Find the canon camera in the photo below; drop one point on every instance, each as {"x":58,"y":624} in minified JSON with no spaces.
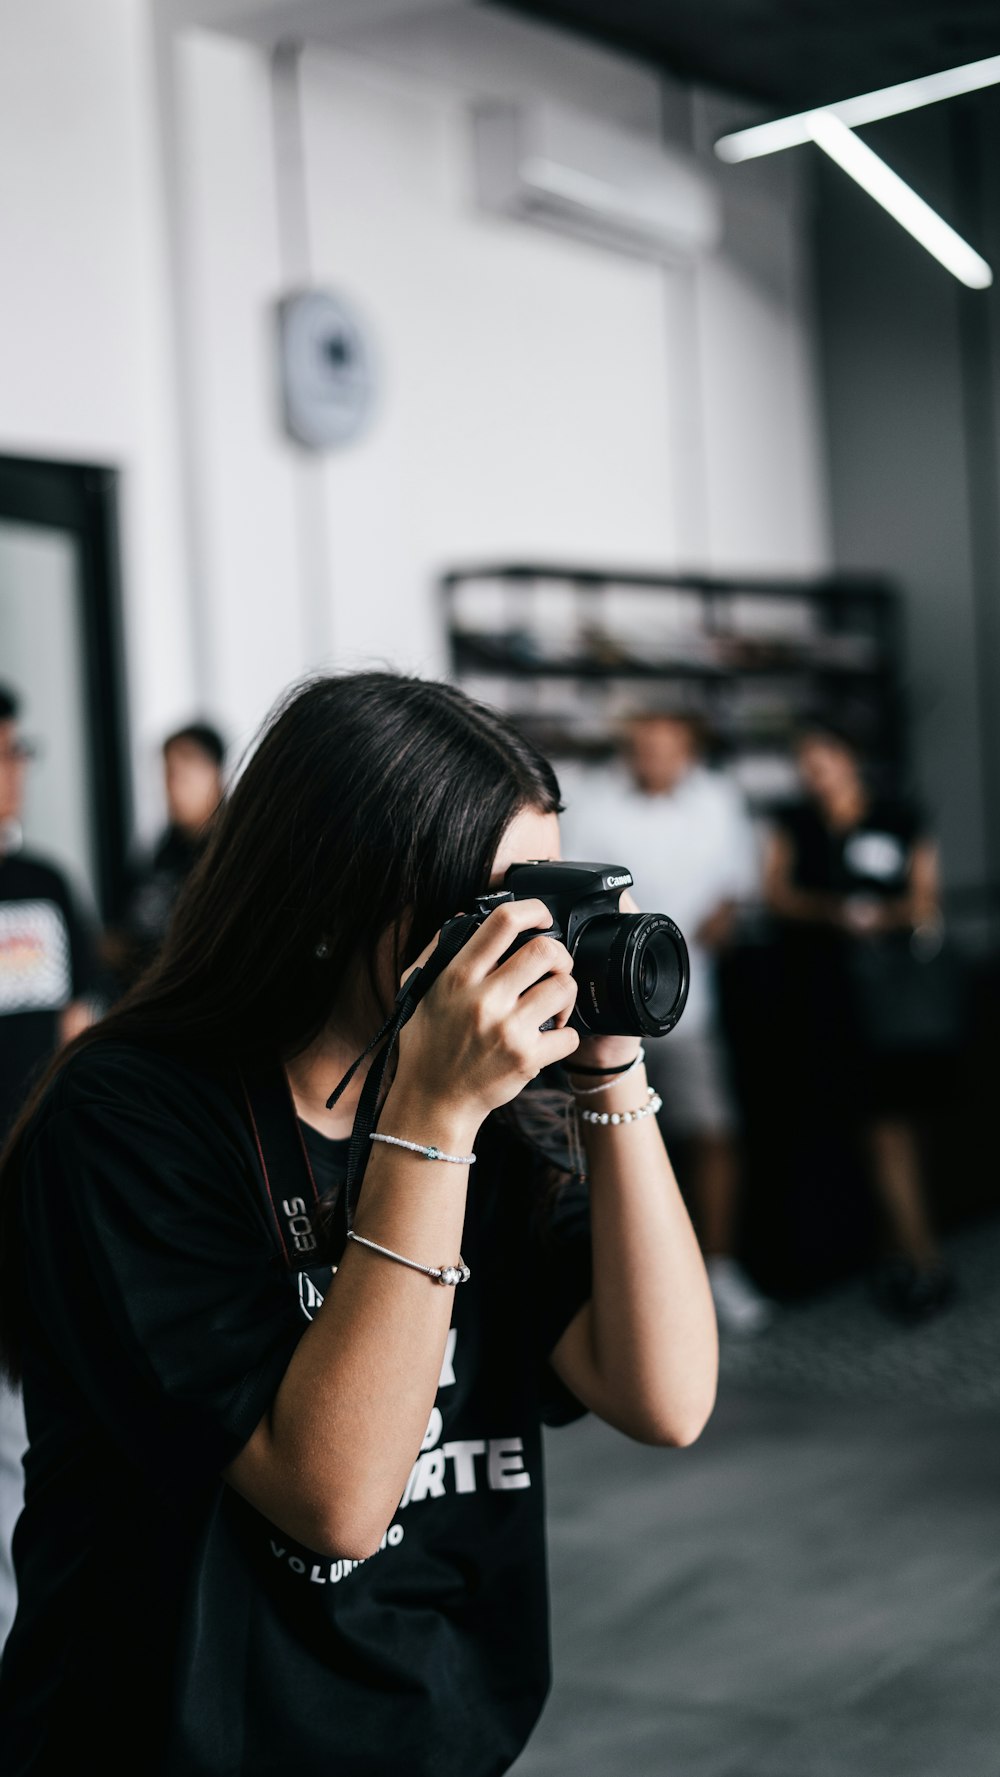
{"x":630,"y":969}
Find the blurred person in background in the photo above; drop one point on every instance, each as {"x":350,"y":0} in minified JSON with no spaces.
{"x":46,"y":974}
{"x":684,"y":832}
{"x":853,"y":876}
{"x":47,"y":965}
{"x":194,"y":781}
{"x":285,"y":1505}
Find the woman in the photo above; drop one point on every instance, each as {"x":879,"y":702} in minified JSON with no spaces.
{"x":847,"y":869}
{"x":218,"y":1440}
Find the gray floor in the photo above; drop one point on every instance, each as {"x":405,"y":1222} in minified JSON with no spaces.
{"x":813,"y":1590}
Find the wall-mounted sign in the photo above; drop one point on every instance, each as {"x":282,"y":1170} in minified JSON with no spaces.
{"x":327,"y":376}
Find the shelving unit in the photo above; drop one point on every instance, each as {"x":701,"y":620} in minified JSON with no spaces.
{"x":568,"y":652}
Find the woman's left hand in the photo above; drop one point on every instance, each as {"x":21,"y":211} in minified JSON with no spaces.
{"x":610,"y":1051}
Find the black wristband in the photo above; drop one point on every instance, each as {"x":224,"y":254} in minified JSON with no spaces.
{"x":603,"y":1070}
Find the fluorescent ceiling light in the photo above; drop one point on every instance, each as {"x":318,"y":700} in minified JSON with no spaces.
{"x":831,"y":134}
{"x":889,"y":101}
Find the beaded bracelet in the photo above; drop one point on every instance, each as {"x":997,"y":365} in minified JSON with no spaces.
{"x":653,"y":1104}
{"x":605,"y":1086}
{"x":418,"y":1147}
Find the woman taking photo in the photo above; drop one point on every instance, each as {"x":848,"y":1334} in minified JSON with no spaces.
{"x":288,"y":1516}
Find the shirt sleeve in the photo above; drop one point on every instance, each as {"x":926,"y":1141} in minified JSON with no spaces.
{"x":154,"y":1285}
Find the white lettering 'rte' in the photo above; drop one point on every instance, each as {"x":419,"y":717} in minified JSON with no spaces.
{"x":429,"y":1476}
{"x":505,"y":1467}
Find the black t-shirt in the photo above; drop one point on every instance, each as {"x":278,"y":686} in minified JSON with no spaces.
{"x":155,"y":882}
{"x":166,"y":1626}
{"x":871,"y":858}
{"x":46,"y":961}
{"x":155,"y":886}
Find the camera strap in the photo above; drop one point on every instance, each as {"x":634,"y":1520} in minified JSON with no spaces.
{"x":291,"y":1198}
{"x":454,"y":933}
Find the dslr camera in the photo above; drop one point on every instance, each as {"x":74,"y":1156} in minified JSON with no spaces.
{"x":630,"y":969}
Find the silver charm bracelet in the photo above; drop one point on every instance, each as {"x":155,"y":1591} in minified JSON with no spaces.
{"x":443,"y":1274}
{"x":653,"y":1103}
{"x":428,"y":1152}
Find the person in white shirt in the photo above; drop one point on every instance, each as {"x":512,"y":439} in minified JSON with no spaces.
{"x":683,"y":831}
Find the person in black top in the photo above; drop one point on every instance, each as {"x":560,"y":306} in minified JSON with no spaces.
{"x":193,"y":778}
{"x":46,"y":975}
{"x":47,"y":965}
{"x":284,"y":1506}
{"x":848,"y":869}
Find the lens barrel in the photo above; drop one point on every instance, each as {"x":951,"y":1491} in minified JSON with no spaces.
{"x":632,"y":973}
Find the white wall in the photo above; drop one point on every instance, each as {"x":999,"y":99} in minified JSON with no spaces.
{"x":539,"y":396}
{"x":525,"y":376}
{"x":759,"y":401}
{"x":85,"y":360}
{"x":523,"y":401}
{"x":243,"y":474}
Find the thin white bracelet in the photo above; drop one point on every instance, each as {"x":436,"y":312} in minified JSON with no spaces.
{"x":444,"y":1274}
{"x":606,"y":1085}
{"x":653,"y":1103}
{"x":429,"y":1153}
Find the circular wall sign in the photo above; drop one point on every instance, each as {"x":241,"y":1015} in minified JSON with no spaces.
{"x":327,"y":377}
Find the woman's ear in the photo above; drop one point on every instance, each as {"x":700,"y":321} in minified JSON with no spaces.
{"x":390,"y":958}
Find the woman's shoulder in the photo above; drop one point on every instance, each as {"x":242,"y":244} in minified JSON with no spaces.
{"x":123,"y":1078}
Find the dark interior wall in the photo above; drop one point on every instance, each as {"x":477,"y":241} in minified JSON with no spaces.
{"x":911,"y":399}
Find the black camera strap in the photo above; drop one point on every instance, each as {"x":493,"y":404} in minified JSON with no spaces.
{"x":291,"y":1198}
{"x":289,"y":1191}
{"x":454,"y":933}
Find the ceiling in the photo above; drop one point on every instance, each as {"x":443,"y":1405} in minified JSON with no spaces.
{"x":790,"y":54}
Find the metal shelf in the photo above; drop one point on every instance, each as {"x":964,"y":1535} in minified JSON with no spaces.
{"x":506,"y":623}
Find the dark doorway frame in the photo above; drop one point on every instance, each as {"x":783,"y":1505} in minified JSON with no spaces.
{"x":82,"y":499}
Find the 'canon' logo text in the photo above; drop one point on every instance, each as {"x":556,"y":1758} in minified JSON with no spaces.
{"x":299,"y":1225}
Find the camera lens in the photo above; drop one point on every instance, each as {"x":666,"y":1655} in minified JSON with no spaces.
{"x":631,"y":971}
{"x":661,"y":975}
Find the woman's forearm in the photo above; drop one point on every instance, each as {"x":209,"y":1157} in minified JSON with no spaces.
{"x":330,"y":1461}
{"x":644,"y":1353}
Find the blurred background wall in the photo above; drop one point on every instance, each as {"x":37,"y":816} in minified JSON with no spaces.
{"x":911,"y":399}
{"x":538,"y":395}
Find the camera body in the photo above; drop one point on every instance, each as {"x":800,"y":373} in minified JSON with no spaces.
{"x":631,"y":969}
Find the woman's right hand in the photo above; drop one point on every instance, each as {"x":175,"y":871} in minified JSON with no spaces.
{"x":476,"y":1040}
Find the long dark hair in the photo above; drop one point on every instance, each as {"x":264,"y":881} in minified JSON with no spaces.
{"x":373,"y":803}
